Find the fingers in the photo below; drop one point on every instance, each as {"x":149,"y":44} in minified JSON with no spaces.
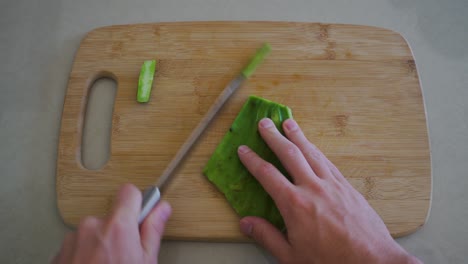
{"x":288,"y":153}
{"x":66,"y":252}
{"x":337,"y":173}
{"x":313,"y":155}
{"x":267,"y":235}
{"x":127,"y":205}
{"x":275,"y":183}
{"x":152,"y":229}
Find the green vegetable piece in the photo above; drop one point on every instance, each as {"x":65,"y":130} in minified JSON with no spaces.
{"x":256,"y":60}
{"x":145,"y":82}
{"x":226,"y":172}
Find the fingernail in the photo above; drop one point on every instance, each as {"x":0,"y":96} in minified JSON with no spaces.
{"x":246,"y":227}
{"x":243,"y":149}
{"x":290,"y":125}
{"x":165,"y":211}
{"x":266,"y":123}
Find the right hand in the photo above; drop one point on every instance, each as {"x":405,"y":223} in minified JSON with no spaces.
{"x":327,"y":220}
{"x":117,"y":238}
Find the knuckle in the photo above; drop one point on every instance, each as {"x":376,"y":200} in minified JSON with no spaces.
{"x":340,"y":187}
{"x":285,"y":190}
{"x":314,"y":185}
{"x":292,"y":151}
{"x":313,"y":152}
{"x":157,"y":225}
{"x":319,"y":190}
{"x":260,"y":235}
{"x":117,"y":226}
{"x":266,"y":168}
{"x":126,"y":187}
{"x":88,"y":223}
{"x":158,"y":229}
{"x":300,"y":202}
{"x":87,"y":228}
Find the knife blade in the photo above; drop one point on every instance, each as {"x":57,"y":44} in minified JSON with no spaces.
{"x":152,"y":194}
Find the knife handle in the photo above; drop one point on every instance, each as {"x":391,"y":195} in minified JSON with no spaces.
{"x":151,"y":197}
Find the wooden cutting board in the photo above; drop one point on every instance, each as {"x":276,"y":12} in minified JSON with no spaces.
{"x":353,"y":89}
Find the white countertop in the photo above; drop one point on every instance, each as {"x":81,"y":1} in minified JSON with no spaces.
{"x":39,"y":39}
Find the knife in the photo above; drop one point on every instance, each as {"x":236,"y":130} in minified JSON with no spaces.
{"x":152,"y":194}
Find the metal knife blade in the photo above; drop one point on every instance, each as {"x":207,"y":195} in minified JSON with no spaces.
{"x":151,"y":195}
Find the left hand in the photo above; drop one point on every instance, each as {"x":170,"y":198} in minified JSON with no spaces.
{"x":117,"y":238}
{"x":327,"y":220}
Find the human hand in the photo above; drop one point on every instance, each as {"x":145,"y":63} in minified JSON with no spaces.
{"x":327,"y":220}
{"x":117,"y":238}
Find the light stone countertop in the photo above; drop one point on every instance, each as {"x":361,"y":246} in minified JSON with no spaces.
{"x":38,"y":41}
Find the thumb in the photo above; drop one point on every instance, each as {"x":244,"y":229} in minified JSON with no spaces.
{"x":267,"y":235}
{"x":152,"y":229}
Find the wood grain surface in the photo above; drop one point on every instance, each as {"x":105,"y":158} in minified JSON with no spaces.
{"x":353,"y":89}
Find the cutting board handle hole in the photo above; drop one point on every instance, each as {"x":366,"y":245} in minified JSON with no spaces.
{"x":97,"y":123}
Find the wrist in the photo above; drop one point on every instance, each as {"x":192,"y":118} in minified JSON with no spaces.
{"x":391,"y":253}
{"x":399,"y":255}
